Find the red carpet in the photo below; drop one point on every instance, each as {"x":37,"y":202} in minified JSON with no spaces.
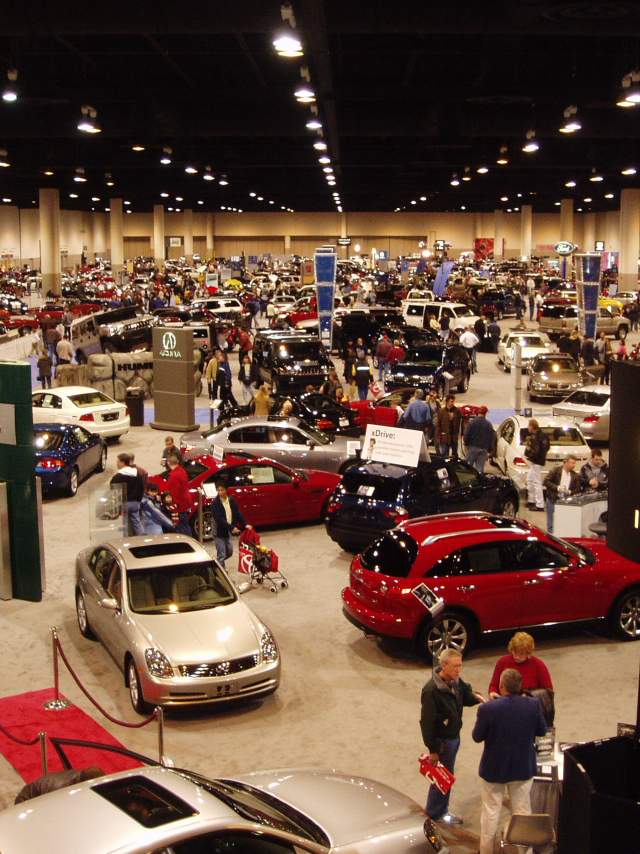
{"x":24,"y":716}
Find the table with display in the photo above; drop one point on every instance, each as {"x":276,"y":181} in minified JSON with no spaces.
{"x":573,"y":515}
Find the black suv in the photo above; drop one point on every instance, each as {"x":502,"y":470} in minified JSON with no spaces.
{"x":374,"y":497}
{"x":290,"y":360}
{"x":322,"y":412}
{"x":367,"y":324}
{"x":431,"y":366}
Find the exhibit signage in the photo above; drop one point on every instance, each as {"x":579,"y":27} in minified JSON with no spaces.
{"x":344,"y":241}
{"x":599,"y":247}
{"x":325,"y":270}
{"x":173,"y":379}
{"x":565,"y":247}
{"x":440,"y":245}
{"x":175,"y":241}
{"x":395,"y":445}
{"x":169,"y":346}
{"x":433,"y":603}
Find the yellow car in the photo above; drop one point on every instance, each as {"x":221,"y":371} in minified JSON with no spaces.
{"x":611,"y":302}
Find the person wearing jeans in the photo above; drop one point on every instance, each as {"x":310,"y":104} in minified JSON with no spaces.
{"x":536,"y":450}
{"x":442,"y":701}
{"x":508,"y":727}
{"x":561,"y":482}
{"x":129,"y":477}
{"x":228,"y":520}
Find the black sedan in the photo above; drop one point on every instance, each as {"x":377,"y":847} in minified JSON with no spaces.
{"x":432,"y":366}
{"x":375,"y":497}
{"x":322,"y":412}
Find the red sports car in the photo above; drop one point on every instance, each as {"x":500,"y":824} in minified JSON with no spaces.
{"x":494,"y":574}
{"x":268,"y":493}
{"x":386,"y":409}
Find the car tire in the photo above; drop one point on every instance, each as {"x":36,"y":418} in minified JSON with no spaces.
{"x":102,"y":463}
{"x":508,"y":507}
{"x":625,"y":615}
{"x":83,"y":622}
{"x":208,"y":523}
{"x":347,"y":547}
{"x":135,"y":691}
{"x":451,"y":630}
{"x":74,"y":480}
{"x":463,"y":385}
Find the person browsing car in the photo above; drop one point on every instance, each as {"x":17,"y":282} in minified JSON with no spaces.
{"x":228,"y":520}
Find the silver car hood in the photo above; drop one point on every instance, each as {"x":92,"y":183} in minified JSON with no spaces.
{"x":215,"y":634}
{"x":348,"y":808}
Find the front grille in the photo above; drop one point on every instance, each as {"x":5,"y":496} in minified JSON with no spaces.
{"x":220,"y":668}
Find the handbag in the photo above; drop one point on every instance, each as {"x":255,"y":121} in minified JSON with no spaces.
{"x":441,"y":777}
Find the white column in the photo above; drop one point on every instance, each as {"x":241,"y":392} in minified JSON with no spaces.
{"x":116,"y":240}
{"x":344,"y":232}
{"x":629,"y":239}
{"x":50,"y":265}
{"x":187,"y":220}
{"x":589,"y":232}
{"x":526,"y":231}
{"x":498,"y":233}
{"x":210,"y":252}
{"x":612,"y":231}
{"x":566,"y":219}
{"x":158,"y":236}
{"x":287,"y":244}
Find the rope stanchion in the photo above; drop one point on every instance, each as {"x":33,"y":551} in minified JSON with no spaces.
{"x":24,"y":742}
{"x":58,"y":703}
{"x":103,"y":711}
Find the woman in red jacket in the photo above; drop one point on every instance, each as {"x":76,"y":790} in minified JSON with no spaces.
{"x":533,"y":670}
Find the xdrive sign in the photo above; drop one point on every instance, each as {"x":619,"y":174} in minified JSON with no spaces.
{"x":169,"y":347}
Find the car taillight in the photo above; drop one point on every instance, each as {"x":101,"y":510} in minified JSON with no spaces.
{"x":520,"y":461}
{"x":51,"y":463}
{"x":591,"y":419}
{"x":334,"y":506}
{"x":88,"y":416}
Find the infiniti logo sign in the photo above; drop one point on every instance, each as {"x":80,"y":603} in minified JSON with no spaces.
{"x":169,"y":345}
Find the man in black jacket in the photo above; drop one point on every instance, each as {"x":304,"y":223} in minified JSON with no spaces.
{"x":480,"y":439}
{"x":561,"y":482}
{"x":129,"y":477}
{"x":228,"y":520}
{"x":536,"y":450}
{"x":443,"y":699}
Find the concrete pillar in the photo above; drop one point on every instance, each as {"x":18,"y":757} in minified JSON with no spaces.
{"x":589,"y":232}
{"x":50,"y":240}
{"x":498,"y":233}
{"x":477,"y":226}
{"x":344,"y":232}
{"x":116,"y":239}
{"x":100,"y":241}
{"x":566,"y":219}
{"x":287,"y":244}
{"x":158,"y":236}
{"x":629,"y":239}
{"x":612,"y":231}
{"x":526,"y":231}
{"x":187,"y":221}
{"x":209,"y":236}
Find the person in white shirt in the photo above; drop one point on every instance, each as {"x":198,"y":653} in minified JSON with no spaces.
{"x":469,"y":340}
{"x":561,"y":482}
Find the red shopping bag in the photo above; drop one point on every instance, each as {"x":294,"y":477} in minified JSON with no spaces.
{"x":249,"y":538}
{"x":440,"y":776}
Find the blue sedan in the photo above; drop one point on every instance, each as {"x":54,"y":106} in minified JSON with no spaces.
{"x":65,"y":455}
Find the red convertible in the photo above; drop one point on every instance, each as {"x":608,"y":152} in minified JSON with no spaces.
{"x":268,"y":493}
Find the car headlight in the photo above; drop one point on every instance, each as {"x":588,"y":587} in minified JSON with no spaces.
{"x":268,"y":646}
{"x":157,"y":663}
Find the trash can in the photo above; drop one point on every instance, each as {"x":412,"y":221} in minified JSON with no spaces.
{"x":134,"y":400}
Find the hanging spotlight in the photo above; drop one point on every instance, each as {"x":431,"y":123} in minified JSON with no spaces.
{"x":137,"y":147}
{"x":502,"y":157}
{"x":73,"y":195}
{"x":108,"y":179}
{"x":48,"y":172}
{"x":10,"y":93}
{"x":630,"y":170}
{"x":223,"y":181}
{"x":327,"y":169}
{"x":571,"y":122}
{"x":595,"y":176}
{"x":482,"y":170}
{"x":191,"y":170}
{"x":253,"y":195}
{"x":320,"y":146}
{"x":167,"y":151}
{"x":304,"y":95}
{"x":466,"y":175}
{"x":324,"y":159}
{"x":4,"y":163}
{"x":531,"y":143}
{"x":88,"y":121}
{"x":569,"y":183}
{"x":164,"y":195}
{"x":314,"y":124}
{"x":608,"y":195}
{"x":454,"y":180}
{"x":179,"y":199}
{"x":587,"y":199}
{"x":287,"y":43}
{"x":80,"y":177}
{"x":504,"y":198}
{"x":208,"y":175}
{"x":630,"y":96}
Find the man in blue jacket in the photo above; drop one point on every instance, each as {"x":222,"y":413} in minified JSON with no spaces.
{"x":508,"y":727}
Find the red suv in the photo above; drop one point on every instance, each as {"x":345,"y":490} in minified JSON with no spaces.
{"x":494,"y":574}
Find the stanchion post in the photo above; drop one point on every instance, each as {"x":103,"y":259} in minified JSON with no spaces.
{"x":200,"y":517}
{"x":58,"y":703}
{"x":43,"y":752}
{"x":160,"y":719}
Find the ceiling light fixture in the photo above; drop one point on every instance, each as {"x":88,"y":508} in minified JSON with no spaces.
{"x":200,"y":202}
{"x":630,"y":170}
{"x":88,"y":120}
{"x":223,"y":181}
{"x":48,"y":172}
{"x":10,"y":93}
{"x":261,"y":198}
{"x":608,"y":195}
{"x":423,"y":198}
{"x":286,"y":43}
{"x":531,"y":143}
{"x":588,"y":199}
{"x":167,"y":151}
{"x":557,"y":204}
{"x":482,"y":170}
{"x":137,"y":147}
{"x":504,"y":198}
{"x":630,"y":96}
{"x":108,"y":179}
{"x":569,"y":183}
{"x":126,"y":202}
{"x":463,"y":207}
{"x":320,"y":146}
{"x":454,"y":180}
{"x":164,"y":195}
{"x":503,"y":160}
{"x":179,"y":199}
{"x":466,"y":176}
{"x":169,"y":209}
{"x":314,"y":124}
{"x":304,"y":95}
{"x":80,"y":177}
{"x":208,"y":175}
{"x":4,"y":163}
{"x":95,"y":198}
{"x":595,"y":176}
{"x":324,"y":159}
{"x":571,"y":122}
{"x":191,"y":170}
{"x":327,"y":169}
{"x":73,"y":195}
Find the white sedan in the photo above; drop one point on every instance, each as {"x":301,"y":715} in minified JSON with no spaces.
{"x":565,"y":438}
{"x":98,"y":412}
{"x":532,"y":344}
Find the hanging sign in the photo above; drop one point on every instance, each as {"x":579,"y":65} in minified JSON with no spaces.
{"x":325,"y":271}
{"x":565,"y":247}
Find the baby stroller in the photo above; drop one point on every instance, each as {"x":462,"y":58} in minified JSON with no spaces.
{"x":258,"y":562}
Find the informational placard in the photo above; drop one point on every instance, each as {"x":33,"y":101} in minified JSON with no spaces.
{"x":434,"y":604}
{"x":395,"y":445}
{"x":599,"y":246}
{"x":225,"y":274}
{"x":565,"y":247}
{"x":325,"y":271}
{"x":175,"y":241}
{"x":212,"y":279}
{"x":344,"y":241}
{"x":7,"y":424}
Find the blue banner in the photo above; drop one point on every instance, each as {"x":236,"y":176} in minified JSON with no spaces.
{"x":442,"y":277}
{"x":325,"y":270}
{"x":588,"y":294}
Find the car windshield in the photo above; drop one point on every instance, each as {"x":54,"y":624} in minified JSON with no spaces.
{"x":585,"y":554}
{"x":554,"y":365}
{"x":315,"y":434}
{"x":297,"y":351}
{"x":217,"y":429}
{"x":409,"y":369}
{"x":564,"y":435}
{"x":393,"y":554}
{"x":262,"y":808}
{"x":89,"y":398}
{"x":463,"y":311}
{"x":374,"y":486}
{"x":431,"y":356}
{"x":178,"y":589}
{"x":527,"y":341}
{"x":588,"y":398}
{"x":45,"y":441}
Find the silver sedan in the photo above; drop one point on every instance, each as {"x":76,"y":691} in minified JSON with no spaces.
{"x":173,"y":622}
{"x":590,"y":407}
{"x":178,"y":812}
{"x":287,"y":440}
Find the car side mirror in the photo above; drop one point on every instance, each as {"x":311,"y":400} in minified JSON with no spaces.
{"x":110,"y":604}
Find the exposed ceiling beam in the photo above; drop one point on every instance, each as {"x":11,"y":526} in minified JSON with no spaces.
{"x":164,"y":53}
{"x":246,"y":52}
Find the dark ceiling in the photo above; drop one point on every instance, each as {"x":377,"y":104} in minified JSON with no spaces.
{"x":408,"y":94}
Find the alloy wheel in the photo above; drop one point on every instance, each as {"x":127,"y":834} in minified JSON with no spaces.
{"x":629,"y":619}
{"x":134,"y":685}
{"x":447,"y":633}
{"x":73,"y":482}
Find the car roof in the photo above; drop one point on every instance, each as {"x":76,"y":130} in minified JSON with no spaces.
{"x":546,"y":420}
{"x":69,"y":390}
{"x":52,"y":427}
{"x":265,"y":420}
{"x":124,"y":547}
{"x":427,"y":529}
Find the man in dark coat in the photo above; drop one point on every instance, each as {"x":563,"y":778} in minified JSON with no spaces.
{"x":561,"y":482}
{"x":228,"y":520}
{"x":448,"y":427}
{"x":480,"y":439}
